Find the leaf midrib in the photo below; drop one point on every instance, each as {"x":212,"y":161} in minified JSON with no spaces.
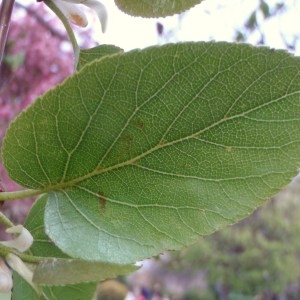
{"x":133,"y":161}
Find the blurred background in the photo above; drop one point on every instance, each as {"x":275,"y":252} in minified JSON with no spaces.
{"x":258,"y":258}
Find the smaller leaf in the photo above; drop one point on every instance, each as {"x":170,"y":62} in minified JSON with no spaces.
{"x":42,"y":244}
{"x":89,"y":55}
{"x":155,"y":8}
{"x":64,"y":271}
{"x":82,"y":291}
{"x":22,"y":290}
{"x":70,"y":271}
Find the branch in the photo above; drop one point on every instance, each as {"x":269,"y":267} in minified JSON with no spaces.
{"x":6,"y":196}
{"x":68,"y":28}
{"x":5,"y":15}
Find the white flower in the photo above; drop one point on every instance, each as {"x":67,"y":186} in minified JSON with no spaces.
{"x":6,"y":282}
{"x":22,"y":269}
{"x":72,"y":11}
{"x":22,"y":242}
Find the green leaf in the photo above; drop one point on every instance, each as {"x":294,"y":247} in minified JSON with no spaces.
{"x":70,"y":271}
{"x":155,"y":8}
{"x":148,"y":150}
{"x":42,"y":245}
{"x":22,"y":290}
{"x":88,"y":55}
{"x":81,"y":291}
{"x":64,"y":271}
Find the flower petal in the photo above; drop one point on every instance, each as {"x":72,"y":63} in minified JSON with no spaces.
{"x":100,"y":10}
{"x":22,"y":242}
{"x":6,"y":282}
{"x":72,"y":12}
{"x":22,"y":269}
{"x":97,"y":6}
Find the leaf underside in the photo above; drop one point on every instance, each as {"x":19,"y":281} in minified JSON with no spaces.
{"x":71,"y":271}
{"x":146,"y":151}
{"x":155,"y":8}
{"x":82,"y":291}
{"x":88,"y":55}
{"x":59,"y":276}
{"x":59,"y":269}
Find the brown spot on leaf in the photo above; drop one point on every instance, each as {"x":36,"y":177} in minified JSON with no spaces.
{"x":162,"y":143}
{"x":126,"y":138}
{"x":136,"y":162}
{"x":102,"y":201}
{"x":229,"y":149}
{"x":99,"y":168}
{"x":140,"y":124}
{"x":127,"y":143}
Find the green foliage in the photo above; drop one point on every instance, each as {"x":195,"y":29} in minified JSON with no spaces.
{"x":196,"y":294}
{"x":253,"y":26}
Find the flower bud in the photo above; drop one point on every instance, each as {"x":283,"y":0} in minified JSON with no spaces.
{"x":22,"y":242}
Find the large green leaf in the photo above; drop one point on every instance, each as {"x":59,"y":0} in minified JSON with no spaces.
{"x":155,"y":8}
{"x":148,"y":150}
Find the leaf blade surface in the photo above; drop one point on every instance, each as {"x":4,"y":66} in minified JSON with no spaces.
{"x":146,"y":151}
{"x":58,"y":268}
{"x":88,"y":55}
{"x":22,"y":290}
{"x":71,"y":271}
